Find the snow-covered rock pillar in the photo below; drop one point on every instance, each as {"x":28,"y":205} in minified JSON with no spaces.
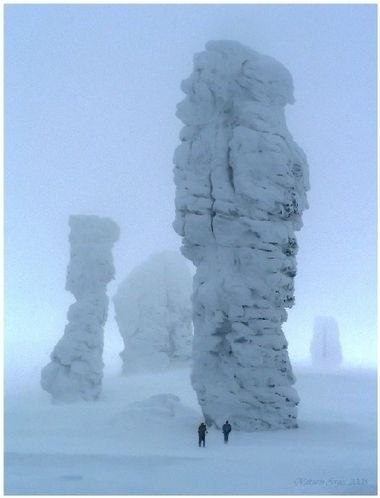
{"x":153,"y":312}
{"x":241,"y":188}
{"x":325,"y":347}
{"x":76,"y":368}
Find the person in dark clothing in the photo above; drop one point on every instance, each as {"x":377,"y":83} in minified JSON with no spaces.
{"x":226,"y":431}
{"x":202,"y":429}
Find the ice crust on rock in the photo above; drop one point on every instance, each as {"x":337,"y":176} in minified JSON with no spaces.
{"x":76,"y":368}
{"x":241,"y":185}
{"x":153,"y":312}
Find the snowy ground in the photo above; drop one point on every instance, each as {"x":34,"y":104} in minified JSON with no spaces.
{"x":118,"y":446}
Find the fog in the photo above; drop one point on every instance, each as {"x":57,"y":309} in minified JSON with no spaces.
{"x":90,"y":128}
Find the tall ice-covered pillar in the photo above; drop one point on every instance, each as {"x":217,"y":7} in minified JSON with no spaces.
{"x":76,"y":367}
{"x":241,"y":185}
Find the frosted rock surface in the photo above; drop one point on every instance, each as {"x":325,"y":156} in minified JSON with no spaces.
{"x":325,"y":347}
{"x":241,"y":185}
{"x":153,"y":312}
{"x":76,"y":368}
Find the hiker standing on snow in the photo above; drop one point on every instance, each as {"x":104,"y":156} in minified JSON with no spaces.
{"x":226,"y":431}
{"x":202,"y":429}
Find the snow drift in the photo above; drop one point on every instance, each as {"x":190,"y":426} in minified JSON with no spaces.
{"x":76,"y":367}
{"x":141,"y":442}
{"x":241,"y":186}
{"x":157,"y":412}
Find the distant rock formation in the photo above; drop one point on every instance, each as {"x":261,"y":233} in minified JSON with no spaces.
{"x":325,"y":348}
{"x":241,"y":189}
{"x":76,"y":368}
{"x":153,"y":312}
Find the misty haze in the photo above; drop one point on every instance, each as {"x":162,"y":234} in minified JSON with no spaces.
{"x":190,"y":249}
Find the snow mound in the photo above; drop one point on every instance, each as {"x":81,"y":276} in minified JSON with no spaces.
{"x":161,"y":407}
{"x":159,"y":410}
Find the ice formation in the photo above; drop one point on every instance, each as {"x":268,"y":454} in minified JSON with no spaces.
{"x":325,"y":348}
{"x":153,"y":312}
{"x":241,"y":189}
{"x":76,"y":368}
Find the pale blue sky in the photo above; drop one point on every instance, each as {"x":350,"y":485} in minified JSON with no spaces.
{"x":90,"y":96}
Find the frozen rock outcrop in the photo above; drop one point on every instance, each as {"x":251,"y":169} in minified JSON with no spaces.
{"x":325,"y":348}
{"x":153,"y":312}
{"x":241,"y":189}
{"x":76,"y":368}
